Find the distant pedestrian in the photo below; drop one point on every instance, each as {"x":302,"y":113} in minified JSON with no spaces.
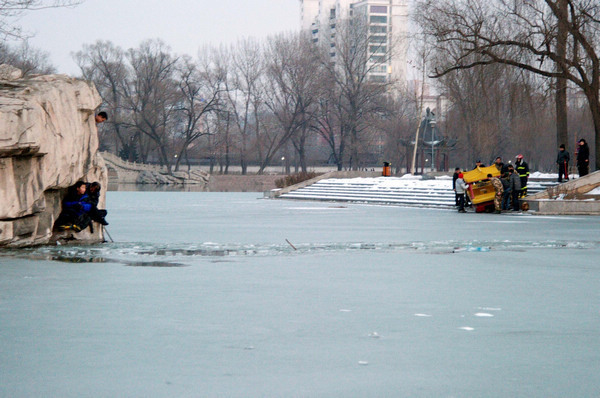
{"x":562,"y":160}
{"x":454,"y":178}
{"x":461,"y":187}
{"x":522,"y":169}
{"x":583,"y":158}
{"x":497,"y":184}
{"x":515,"y":187}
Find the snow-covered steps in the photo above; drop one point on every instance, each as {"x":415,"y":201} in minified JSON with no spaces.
{"x":406,"y":190}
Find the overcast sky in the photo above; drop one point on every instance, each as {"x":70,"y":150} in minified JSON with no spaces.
{"x":184,"y":25}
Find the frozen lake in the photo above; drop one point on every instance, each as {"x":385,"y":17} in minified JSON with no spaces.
{"x":201,"y":295}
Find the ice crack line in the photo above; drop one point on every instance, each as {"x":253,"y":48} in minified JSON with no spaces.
{"x":140,"y":253}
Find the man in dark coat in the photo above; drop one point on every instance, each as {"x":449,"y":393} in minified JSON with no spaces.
{"x":93,"y":190}
{"x":583,"y":158}
{"x":514,"y":186}
{"x":502,"y":168}
{"x":562,"y":160}
{"x":454,"y":178}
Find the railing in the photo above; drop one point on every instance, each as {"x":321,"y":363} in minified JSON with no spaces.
{"x":131,"y":166}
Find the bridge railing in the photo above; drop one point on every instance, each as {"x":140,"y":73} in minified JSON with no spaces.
{"x":133,"y":166}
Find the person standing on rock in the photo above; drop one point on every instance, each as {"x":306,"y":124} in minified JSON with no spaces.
{"x":562,"y":160}
{"x":583,"y":158}
{"x":101,"y":117}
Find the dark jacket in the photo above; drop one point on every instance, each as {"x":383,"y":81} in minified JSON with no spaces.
{"x":563,"y":157}
{"x":505,"y":183}
{"x":514,"y":182}
{"x":522,"y":168}
{"x":77,"y":204}
{"x":583,"y":156}
{"x":454,"y":178}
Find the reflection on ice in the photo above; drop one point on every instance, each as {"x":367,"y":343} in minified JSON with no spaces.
{"x":171,"y":255}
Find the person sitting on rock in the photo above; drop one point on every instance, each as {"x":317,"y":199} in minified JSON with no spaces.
{"x":93,"y":192}
{"x":75,"y":209}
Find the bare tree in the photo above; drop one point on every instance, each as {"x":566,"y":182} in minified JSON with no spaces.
{"x":292,"y":79}
{"x":200,"y":90}
{"x":328,"y":121}
{"x":398,"y":127}
{"x":105,"y":65}
{"x":351,"y":71}
{"x":11,"y":10}
{"x":244,"y":94}
{"x":152,"y":96}
{"x":27,"y":58}
{"x":528,"y":35}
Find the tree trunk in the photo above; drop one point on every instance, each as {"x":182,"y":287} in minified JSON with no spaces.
{"x":562,"y":132}
{"x":595,"y":111}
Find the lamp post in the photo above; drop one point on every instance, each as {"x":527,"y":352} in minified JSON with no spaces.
{"x":432,"y":124}
{"x":282,"y":165}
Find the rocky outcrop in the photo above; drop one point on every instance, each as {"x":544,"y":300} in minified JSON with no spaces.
{"x":48,"y":141}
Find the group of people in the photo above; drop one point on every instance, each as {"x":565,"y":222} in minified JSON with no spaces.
{"x":509,"y":187}
{"x":512,"y":182}
{"x":583,"y":160}
{"x":80,"y":208}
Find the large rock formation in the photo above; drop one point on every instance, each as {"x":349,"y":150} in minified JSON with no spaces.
{"x":48,"y":141}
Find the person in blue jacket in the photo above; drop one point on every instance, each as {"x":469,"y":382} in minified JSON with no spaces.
{"x":75,"y":209}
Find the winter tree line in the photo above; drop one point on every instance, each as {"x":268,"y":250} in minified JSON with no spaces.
{"x":519,"y":77}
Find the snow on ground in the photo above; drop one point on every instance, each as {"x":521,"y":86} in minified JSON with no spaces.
{"x":407,"y":180}
{"x":595,"y":191}
{"x":416,"y":181}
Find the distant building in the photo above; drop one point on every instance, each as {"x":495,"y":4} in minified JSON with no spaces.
{"x":388,"y":25}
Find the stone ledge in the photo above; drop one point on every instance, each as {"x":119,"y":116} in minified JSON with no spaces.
{"x":564,"y":207}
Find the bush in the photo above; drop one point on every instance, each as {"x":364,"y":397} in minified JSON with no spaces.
{"x":294,"y":179}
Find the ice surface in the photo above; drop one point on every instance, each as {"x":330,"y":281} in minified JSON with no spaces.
{"x":219,"y":304}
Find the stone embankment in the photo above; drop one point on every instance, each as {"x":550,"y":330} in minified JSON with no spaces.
{"x":570,"y":198}
{"x":48,"y":141}
{"x":123,"y":172}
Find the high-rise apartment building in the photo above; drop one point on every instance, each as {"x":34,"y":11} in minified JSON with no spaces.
{"x":388,"y":27}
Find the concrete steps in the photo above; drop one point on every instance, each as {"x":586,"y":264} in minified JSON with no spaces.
{"x":373,"y":191}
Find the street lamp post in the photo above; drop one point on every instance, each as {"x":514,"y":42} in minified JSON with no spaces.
{"x":432,"y":124}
